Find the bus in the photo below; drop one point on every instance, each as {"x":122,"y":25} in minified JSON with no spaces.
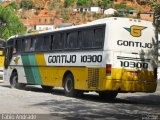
{"x":2,"y":53}
{"x":108,"y":56}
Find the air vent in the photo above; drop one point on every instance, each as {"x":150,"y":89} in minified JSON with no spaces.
{"x":93,"y":77}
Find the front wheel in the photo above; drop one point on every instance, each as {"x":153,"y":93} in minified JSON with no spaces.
{"x":14,"y":80}
{"x":69,"y":86}
{"x":108,"y":95}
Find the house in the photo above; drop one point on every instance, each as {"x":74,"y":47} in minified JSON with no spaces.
{"x":81,"y":10}
{"x":89,"y":9}
{"x":149,"y":16}
{"x":45,"y":20}
{"x":128,"y":13}
{"x":95,"y":9}
{"x":110,"y":11}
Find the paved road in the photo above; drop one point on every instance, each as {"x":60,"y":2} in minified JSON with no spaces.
{"x":54,"y":105}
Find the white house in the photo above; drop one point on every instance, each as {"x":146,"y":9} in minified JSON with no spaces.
{"x":90,"y":9}
{"x":110,"y":11}
{"x":44,"y":27}
{"x":95,"y":9}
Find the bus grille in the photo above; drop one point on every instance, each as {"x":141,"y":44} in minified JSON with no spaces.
{"x":93,"y":77}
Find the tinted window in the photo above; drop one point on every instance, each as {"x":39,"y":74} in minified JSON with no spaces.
{"x":99,"y":37}
{"x":72,"y":41}
{"x":18,"y":45}
{"x":23,"y":44}
{"x":46,"y":43}
{"x":39,"y":43}
{"x":93,"y":38}
{"x":88,"y":38}
{"x":27,"y":43}
{"x":57,"y":41}
{"x":10,"y":42}
{"x":33,"y":44}
{"x":43,"y":43}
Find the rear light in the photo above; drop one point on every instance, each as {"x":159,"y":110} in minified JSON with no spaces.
{"x":108,"y":69}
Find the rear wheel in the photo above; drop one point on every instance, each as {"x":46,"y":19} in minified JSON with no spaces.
{"x":47,"y":88}
{"x":14,"y":80}
{"x":108,"y":95}
{"x":69,"y":86}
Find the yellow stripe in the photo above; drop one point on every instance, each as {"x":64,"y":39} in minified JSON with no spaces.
{"x":47,"y":73}
{"x":1,"y":52}
{"x":1,"y":61}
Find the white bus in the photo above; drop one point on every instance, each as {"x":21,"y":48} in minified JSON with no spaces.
{"x":109,"y":56}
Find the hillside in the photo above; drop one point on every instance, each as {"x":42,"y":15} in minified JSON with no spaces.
{"x":55,"y":12}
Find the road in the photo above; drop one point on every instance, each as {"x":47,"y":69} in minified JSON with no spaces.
{"x":55,"y":106}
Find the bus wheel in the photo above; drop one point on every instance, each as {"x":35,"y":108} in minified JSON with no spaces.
{"x":14,"y":80}
{"x":69,"y":86}
{"x":108,"y":95}
{"x":47,"y":88}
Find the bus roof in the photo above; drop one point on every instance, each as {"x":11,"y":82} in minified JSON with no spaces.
{"x":95,"y":22}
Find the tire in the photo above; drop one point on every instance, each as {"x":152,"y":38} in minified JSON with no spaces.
{"x":14,"y":80}
{"x":47,"y":88}
{"x":108,"y":95}
{"x":21,"y":85}
{"x":69,"y":86}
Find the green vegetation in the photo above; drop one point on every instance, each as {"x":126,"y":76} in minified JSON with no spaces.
{"x":87,"y":3}
{"x":68,"y":3}
{"x":105,"y":4}
{"x":9,"y":23}
{"x":83,"y":3}
{"x":14,"y":6}
{"x":27,"y":4}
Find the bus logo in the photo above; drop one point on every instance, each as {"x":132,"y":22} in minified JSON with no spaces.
{"x":135,"y":31}
{"x":16,"y":60}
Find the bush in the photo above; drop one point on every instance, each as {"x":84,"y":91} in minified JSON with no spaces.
{"x":27,"y":4}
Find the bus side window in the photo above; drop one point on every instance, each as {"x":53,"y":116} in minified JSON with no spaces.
{"x":46,"y":43}
{"x":27,"y":43}
{"x":18,"y":45}
{"x":99,"y":37}
{"x":33,"y":44}
{"x":57,"y":41}
{"x":72,"y":40}
{"x":88,"y":38}
{"x":80,"y":34}
{"x":23,"y":45}
{"x":39,"y":43}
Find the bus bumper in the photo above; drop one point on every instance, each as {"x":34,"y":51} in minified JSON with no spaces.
{"x":131,"y":86}
{"x":138,"y":86}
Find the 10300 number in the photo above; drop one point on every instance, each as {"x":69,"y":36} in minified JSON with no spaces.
{"x":132,"y":64}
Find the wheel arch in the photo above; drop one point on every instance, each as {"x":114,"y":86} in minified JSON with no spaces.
{"x":14,"y":71}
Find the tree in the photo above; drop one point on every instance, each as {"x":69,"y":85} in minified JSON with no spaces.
{"x":9,"y":23}
{"x":154,"y":5}
{"x":14,"y":6}
{"x":83,"y":2}
{"x":68,"y":3}
{"x":157,"y":18}
{"x":122,"y":5}
{"x":104,"y":4}
{"x":27,"y":4}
